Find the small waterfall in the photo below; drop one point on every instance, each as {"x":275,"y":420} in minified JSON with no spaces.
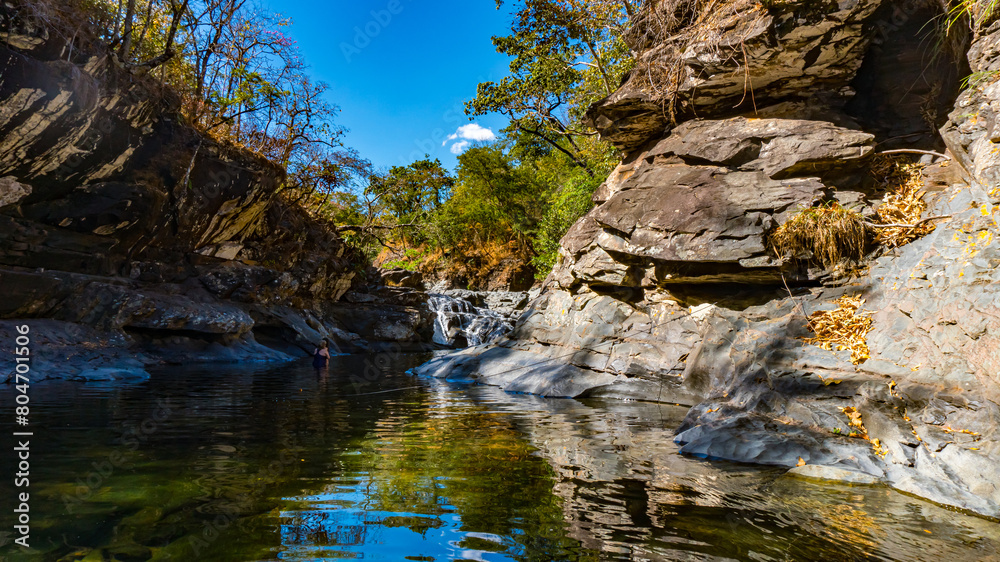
{"x":460,"y":323}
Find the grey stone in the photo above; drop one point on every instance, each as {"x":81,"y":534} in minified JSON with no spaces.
{"x":12,"y":191}
{"x":778,"y":147}
{"x":778,"y":54}
{"x":697,"y":206}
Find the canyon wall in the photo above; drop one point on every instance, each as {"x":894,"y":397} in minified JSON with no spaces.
{"x":668,"y":290}
{"x":129,"y":238}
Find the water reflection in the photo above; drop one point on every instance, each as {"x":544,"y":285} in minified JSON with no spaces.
{"x":629,"y":495}
{"x":285,"y":464}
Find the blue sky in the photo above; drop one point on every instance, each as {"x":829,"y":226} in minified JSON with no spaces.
{"x":402,"y":80}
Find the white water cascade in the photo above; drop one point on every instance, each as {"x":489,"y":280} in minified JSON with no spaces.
{"x":460,"y":323}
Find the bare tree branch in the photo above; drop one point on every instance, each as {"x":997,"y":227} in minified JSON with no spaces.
{"x":915,"y":151}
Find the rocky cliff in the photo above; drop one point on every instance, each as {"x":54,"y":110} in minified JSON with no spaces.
{"x":127,"y":237}
{"x":670,"y":290}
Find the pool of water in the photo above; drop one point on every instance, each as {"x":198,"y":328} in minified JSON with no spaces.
{"x":367,"y":462}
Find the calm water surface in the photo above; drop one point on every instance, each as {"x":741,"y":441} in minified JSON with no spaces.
{"x":277,"y":463}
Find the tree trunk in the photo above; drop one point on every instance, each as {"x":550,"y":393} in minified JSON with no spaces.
{"x":145,"y":25}
{"x":126,"y":47}
{"x":168,"y":49}
{"x":600,"y":67}
{"x":118,"y":23}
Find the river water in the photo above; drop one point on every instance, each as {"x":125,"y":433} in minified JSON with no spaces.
{"x":367,"y":462}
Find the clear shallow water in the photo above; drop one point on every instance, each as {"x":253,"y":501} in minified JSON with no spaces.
{"x":258,"y":463}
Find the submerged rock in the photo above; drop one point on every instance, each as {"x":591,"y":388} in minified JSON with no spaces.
{"x":817,"y":472}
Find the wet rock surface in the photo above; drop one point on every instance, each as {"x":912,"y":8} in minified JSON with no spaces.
{"x":64,"y":350}
{"x":667,"y":291}
{"x":469,"y":318}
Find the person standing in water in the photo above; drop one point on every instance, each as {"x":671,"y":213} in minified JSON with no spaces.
{"x":321,"y":356}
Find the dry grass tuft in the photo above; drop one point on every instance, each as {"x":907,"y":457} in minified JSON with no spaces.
{"x":829,"y":233}
{"x":685,"y":21}
{"x":843,"y":328}
{"x":667,"y":28}
{"x":903,"y":202}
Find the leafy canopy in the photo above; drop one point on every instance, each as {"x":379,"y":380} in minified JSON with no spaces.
{"x":566,"y":54}
{"x":412,"y":192}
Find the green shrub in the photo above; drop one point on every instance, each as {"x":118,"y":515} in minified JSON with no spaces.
{"x":571,"y":201}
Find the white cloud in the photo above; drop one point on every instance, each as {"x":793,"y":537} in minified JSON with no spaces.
{"x":459,"y":146}
{"x":471,"y":132}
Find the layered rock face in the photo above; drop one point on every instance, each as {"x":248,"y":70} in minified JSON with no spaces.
{"x":129,"y":230}
{"x":667,"y":290}
{"x":743,"y":56}
{"x":695,"y":206}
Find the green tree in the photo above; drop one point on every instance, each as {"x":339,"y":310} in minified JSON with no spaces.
{"x":412,"y":192}
{"x":570,"y":201}
{"x":566,"y":54}
{"x":495,"y":198}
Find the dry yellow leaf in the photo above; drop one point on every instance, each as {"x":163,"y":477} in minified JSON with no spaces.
{"x":843,"y":328}
{"x":903,"y":202}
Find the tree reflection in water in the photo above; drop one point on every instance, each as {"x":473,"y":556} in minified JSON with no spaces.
{"x":268,"y":463}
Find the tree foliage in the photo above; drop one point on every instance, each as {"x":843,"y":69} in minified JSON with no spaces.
{"x":565,"y":55}
{"x":413,"y":192}
{"x":521,"y":193}
{"x":493,"y":199}
{"x":240,"y":77}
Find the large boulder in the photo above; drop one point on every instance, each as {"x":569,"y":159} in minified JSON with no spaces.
{"x":744,"y":56}
{"x":698,"y":204}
